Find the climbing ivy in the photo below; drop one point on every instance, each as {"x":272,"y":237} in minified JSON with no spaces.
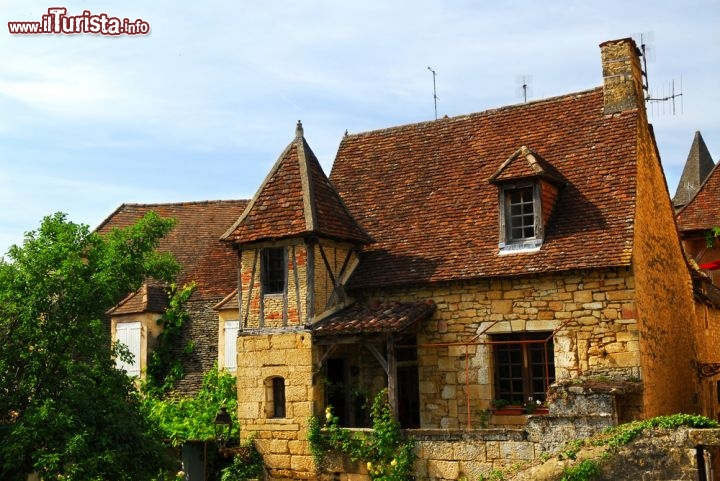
{"x":388,"y":455}
{"x":625,"y":433}
{"x":165,"y":367}
{"x":712,"y":236}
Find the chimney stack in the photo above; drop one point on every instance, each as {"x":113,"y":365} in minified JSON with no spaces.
{"x":622,"y":76}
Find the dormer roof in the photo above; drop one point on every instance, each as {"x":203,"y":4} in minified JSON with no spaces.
{"x":296,"y":199}
{"x":525,"y":164}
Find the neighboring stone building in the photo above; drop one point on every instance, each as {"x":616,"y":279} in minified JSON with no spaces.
{"x":506,"y":254}
{"x":204,"y":260}
{"x":700,"y":214}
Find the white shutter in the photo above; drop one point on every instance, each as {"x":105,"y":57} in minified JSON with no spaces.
{"x":128,"y":333}
{"x":231,"y":332}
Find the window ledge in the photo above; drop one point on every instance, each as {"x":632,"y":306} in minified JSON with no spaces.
{"x":520,"y":247}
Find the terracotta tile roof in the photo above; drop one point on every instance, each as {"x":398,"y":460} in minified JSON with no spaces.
{"x":149,"y":298}
{"x":698,"y":166}
{"x":422,"y":191}
{"x":229,"y":302}
{"x":296,"y":199}
{"x":194,"y":241}
{"x":703,"y":211}
{"x":375,"y":318}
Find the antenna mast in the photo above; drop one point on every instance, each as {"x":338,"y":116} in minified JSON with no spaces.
{"x":435,"y":97}
{"x":672,"y":95}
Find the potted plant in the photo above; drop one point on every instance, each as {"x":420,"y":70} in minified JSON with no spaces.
{"x":502,"y":407}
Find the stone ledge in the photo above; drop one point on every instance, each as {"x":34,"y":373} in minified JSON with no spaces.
{"x":492,"y":434}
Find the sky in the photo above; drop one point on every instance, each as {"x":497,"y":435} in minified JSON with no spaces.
{"x":201,"y":107}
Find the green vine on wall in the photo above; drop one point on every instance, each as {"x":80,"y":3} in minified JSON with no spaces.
{"x":387,"y":453}
{"x":711,"y":237}
{"x":165,"y":367}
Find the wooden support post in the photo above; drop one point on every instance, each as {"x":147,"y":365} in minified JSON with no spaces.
{"x":392,"y":376}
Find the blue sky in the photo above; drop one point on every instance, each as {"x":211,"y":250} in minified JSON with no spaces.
{"x":201,"y":107}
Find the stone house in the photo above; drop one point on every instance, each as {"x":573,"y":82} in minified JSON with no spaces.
{"x":528,"y":251}
{"x":205,"y":261}
{"x":523,"y":252}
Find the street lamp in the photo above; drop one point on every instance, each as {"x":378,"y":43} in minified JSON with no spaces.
{"x":223,"y":426}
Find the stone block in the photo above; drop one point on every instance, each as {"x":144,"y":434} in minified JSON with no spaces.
{"x":276,"y":446}
{"x":582,"y":296}
{"x":277,"y":461}
{"x":298,"y":447}
{"x":443,"y":469}
{"x":469,"y":451}
{"x":302,"y":463}
{"x":248,"y":410}
{"x":501,"y":307}
{"x":449,"y":392}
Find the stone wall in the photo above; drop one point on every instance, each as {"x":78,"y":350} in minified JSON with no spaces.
{"x":594,"y":311}
{"x":281,"y":441}
{"x":202,"y":329}
{"x":663,"y":289}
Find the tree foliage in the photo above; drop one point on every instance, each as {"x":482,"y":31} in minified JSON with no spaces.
{"x":65,"y":411}
{"x":184,"y":419}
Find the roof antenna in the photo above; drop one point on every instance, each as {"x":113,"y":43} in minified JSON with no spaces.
{"x":524,"y":81}
{"x":435,"y":97}
{"x":658,"y":102}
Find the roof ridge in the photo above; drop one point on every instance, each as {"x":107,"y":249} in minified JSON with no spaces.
{"x":471,"y":115}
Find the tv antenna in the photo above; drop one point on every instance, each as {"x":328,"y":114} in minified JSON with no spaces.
{"x":658,"y":101}
{"x":435,"y":97}
{"x":524,"y":89}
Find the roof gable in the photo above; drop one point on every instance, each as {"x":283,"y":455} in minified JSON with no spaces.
{"x":296,"y":199}
{"x":523,"y":164}
{"x":194,"y":241}
{"x":422,"y":191}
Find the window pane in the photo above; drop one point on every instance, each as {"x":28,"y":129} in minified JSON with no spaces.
{"x":273,"y":270}
{"x":278,"y":397}
{"x":521,"y":368}
{"x":520,"y":214}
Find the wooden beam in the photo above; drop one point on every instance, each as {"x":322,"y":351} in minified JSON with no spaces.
{"x":296,"y":278}
{"x":377,"y":355}
{"x":250,"y":289}
{"x":392,"y":376}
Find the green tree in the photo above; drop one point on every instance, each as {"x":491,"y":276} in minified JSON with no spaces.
{"x":65,"y":411}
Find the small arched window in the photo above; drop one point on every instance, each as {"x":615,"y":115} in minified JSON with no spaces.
{"x":275,"y":394}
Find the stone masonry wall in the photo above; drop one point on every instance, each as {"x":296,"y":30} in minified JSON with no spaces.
{"x":281,"y":441}
{"x":595,"y":310}
{"x":202,"y":329}
{"x":665,"y":303}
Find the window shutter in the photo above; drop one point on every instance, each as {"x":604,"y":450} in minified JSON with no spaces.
{"x":129,"y":334}
{"x":231,"y":332}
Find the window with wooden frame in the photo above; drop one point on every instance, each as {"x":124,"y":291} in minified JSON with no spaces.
{"x":520,"y":217}
{"x":273,"y":270}
{"x":524,"y":366}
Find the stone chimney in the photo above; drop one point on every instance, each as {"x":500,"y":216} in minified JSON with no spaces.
{"x":622,"y":76}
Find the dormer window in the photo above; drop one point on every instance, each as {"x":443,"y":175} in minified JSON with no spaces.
{"x":273,"y":270}
{"x":520,"y":218}
{"x":520,"y":214}
{"x":528,"y":188}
